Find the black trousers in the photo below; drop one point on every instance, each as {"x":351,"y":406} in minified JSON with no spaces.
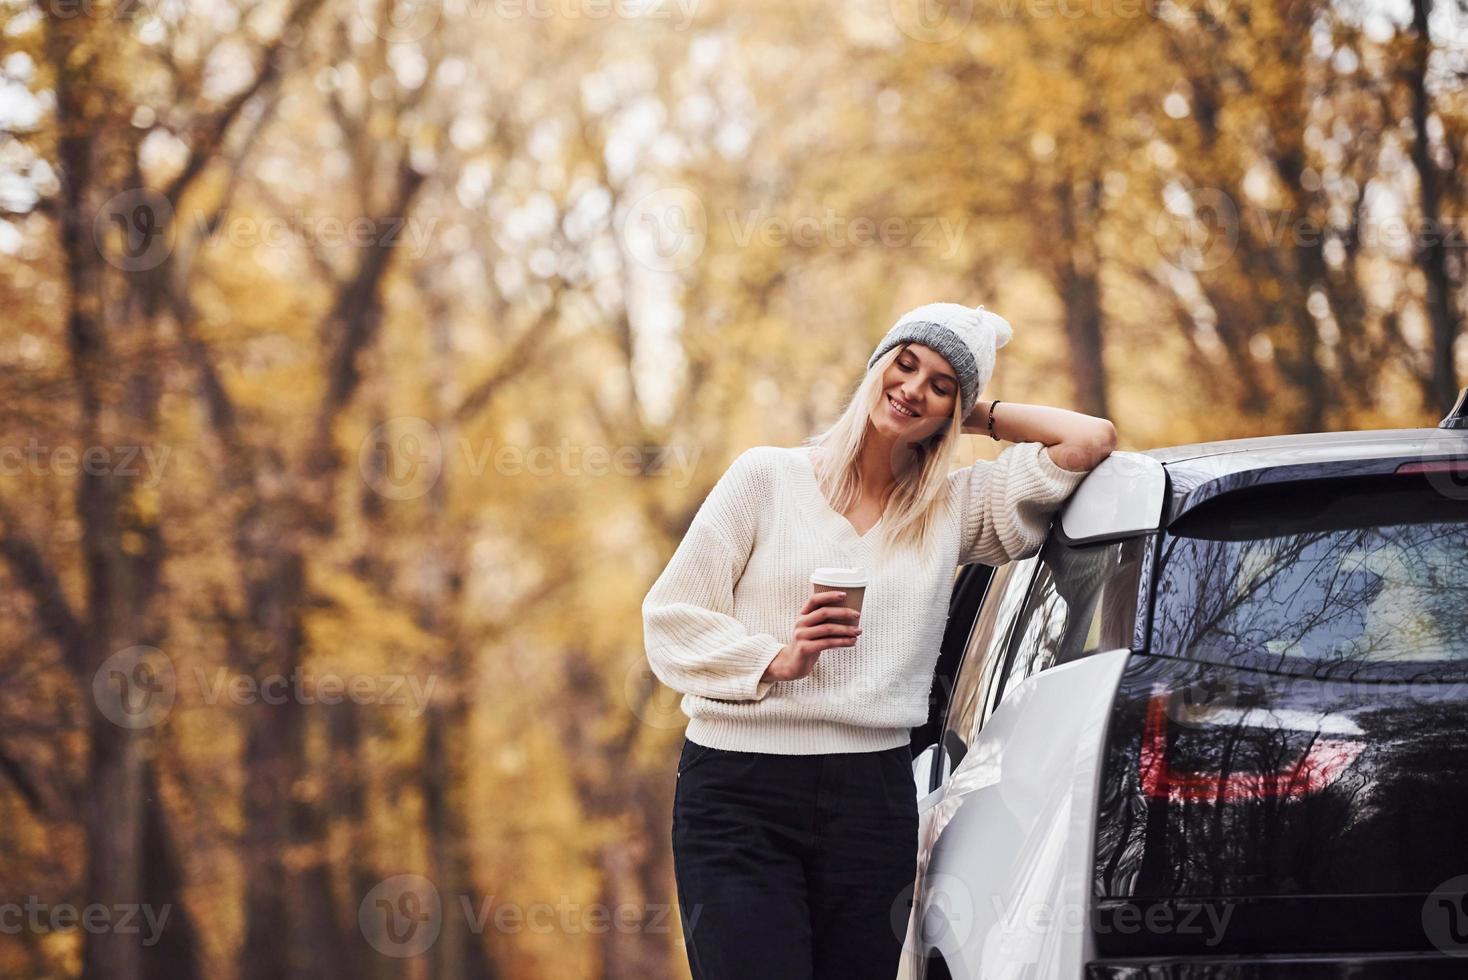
{"x":796,"y":867}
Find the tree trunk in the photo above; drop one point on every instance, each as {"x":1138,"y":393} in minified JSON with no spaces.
{"x":175,"y":956}
{"x":1077,"y":274}
{"x":1432,"y":254}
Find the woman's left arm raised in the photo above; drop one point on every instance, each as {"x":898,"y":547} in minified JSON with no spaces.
{"x":1007,"y":503}
{"x":1075,"y":441}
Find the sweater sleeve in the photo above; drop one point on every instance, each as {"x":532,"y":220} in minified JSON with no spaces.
{"x":1006,"y":505}
{"x":694,"y":643}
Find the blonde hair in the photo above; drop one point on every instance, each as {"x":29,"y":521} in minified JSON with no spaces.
{"x":916,"y":502}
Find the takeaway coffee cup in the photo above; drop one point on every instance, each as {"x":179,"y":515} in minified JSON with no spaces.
{"x":852,"y":581}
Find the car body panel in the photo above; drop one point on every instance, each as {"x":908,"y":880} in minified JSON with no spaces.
{"x":1014,"y":820}
{"x":1277,"y":459}
{"x":1343,"y":444}
{"x":1136,"y":492}
{"x":1344,"y":853}
{"x":1121,"y":497}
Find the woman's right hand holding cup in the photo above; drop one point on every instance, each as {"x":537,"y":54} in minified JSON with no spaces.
{"x":823,"y":623}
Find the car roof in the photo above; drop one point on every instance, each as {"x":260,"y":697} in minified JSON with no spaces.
{"x":1132,"y":493}
{"x":1268,"y":450}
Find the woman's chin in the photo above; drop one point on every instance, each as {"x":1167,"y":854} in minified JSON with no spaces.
{"x":890,"y":427}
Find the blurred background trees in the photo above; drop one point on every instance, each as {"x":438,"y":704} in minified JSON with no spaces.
{"x":364,"y":361}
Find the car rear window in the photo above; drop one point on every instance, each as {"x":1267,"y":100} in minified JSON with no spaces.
{"x":1320,"y":576}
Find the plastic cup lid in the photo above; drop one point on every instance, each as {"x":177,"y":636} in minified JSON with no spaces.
{"x":841,"y":577}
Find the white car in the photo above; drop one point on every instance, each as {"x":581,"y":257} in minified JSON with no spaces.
{"x":1216,"y":728}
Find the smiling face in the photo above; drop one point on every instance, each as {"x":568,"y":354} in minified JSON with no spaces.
{"x":919,"y":389}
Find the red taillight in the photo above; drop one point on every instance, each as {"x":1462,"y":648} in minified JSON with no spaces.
{"x":1319,"y":765}
{"x":1457,"y":467}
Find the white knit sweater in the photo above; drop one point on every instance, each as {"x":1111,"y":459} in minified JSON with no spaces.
{"x":729,"y":597}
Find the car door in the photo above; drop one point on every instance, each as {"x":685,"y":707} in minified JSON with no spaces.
{"x":999,"y":856}
{"x":983,"y":636}
{"x":970,"y":587}
{"x":979,"y":660}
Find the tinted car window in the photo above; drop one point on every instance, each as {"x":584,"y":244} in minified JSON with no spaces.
{"x":981,"y":654}
{"x":1359,"y":574}
{"x":1084,"y":599}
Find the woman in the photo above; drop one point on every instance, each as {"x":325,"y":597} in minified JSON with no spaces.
{"x":795,"y":815}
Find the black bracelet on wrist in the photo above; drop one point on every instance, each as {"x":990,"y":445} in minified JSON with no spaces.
{"x":993,"y":406}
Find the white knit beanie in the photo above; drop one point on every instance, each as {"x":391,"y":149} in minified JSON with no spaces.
{"x":965,"y":337}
